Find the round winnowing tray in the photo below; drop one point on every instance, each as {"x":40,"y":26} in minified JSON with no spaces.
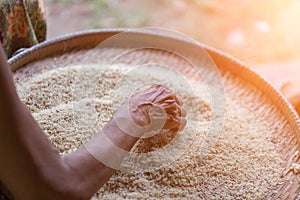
{"x":151,"y":46}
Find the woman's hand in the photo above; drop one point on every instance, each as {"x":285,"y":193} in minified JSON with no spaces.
{"x":146,"y":112}
{"x":153,"y":109}
{"x":159,"y":96}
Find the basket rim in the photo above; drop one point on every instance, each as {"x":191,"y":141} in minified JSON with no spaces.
{"x":13,"y":60}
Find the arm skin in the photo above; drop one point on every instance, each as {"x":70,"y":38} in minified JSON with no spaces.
{"x":30,"y":168}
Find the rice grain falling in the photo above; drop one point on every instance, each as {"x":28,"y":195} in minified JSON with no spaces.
{"x":71,"y":103}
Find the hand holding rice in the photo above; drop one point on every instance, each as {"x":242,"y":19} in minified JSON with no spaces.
{"x":151,"y":110}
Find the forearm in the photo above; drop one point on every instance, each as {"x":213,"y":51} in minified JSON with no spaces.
{"x":31,"y":167}
{"x":92,"y":172}
{"x":28,"y":161}
{"x":37,"y":166}
{"x":7,"y":91}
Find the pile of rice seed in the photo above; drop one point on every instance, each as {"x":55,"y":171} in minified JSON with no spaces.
{"x":73,"y":102}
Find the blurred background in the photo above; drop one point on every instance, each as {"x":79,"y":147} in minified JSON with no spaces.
{"x":264,"y":34}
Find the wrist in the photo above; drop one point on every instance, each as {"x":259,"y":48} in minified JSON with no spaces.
{"x":118,"y":137}
{"x":110,"y":146}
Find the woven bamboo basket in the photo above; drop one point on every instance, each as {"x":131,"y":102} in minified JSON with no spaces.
{"x":90,"y":39}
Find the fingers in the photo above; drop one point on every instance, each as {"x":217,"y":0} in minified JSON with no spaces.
{"x":172,"y":109}
{"x":155,"y":94}
{"x":181,"y":126}
{"x":174,"y":121}
{"x":173,"y":106}
{"x":158,"y":94}
{"x":161,"y":97}
{"x":178,"y":100}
